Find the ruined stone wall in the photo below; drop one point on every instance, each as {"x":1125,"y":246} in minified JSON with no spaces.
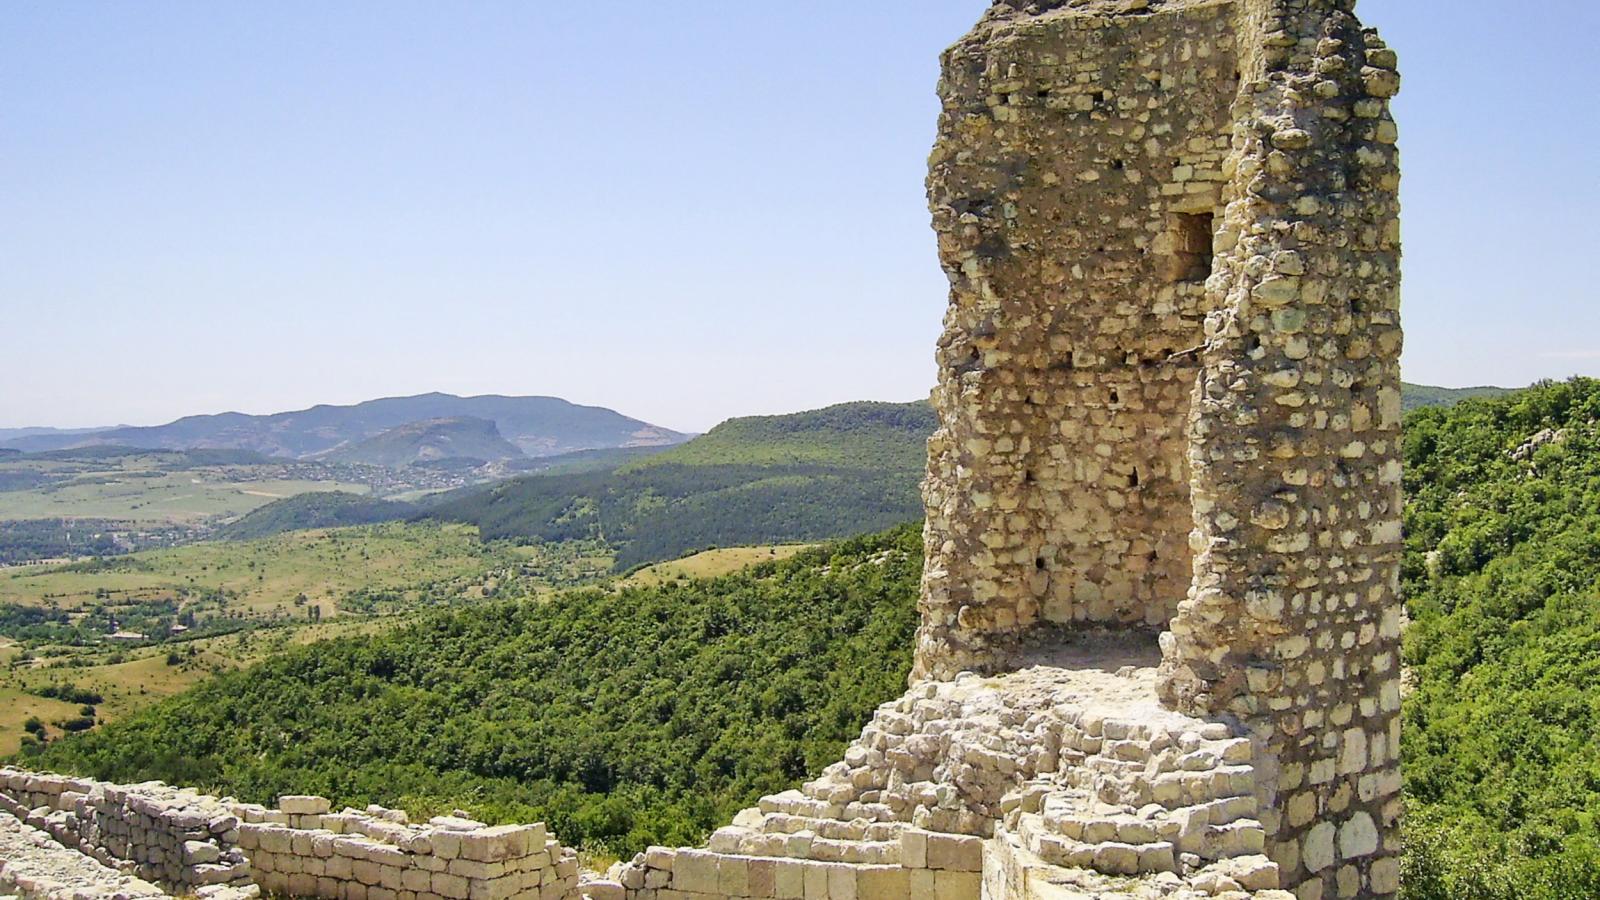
{"x":1073,"y":187}
{"x":195,"y":843}
{"x":1293,"y":622}
{"x":174,"y":837}
{"x":1169,"y":382}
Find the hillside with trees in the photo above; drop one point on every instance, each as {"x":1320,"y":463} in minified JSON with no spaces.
{"x":1502,"y":580}
{"x":627,"y":717}
{"x":810,"y":476}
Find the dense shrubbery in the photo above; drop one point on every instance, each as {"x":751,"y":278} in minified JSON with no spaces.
{"x":1502,"y":740}
{"x":645,"y":715}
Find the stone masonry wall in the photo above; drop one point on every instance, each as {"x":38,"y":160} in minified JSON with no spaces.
{"x":1078,"y":167}
{"x":188,"y":841}
{"x":177,"y":838}
{"x":381,"y":856}
{"x":1293,"y":622}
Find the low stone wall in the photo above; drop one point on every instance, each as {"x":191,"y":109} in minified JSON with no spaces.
{"x":355,"y":856}
{"x":36,"y":867}
{"x":192,"y":843}
{"x":178,"y":838}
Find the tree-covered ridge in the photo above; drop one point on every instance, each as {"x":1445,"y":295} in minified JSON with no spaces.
{"x":624,"y":718}
{"x":1502,"y":582}
{"x":319,"y":509}
{"x":1416,"y":396}
{"x":863,"y":435}
{"x":811,"y":476}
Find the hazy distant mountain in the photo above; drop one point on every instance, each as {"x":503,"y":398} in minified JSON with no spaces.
{"x":538,"y":426}
{"x":9,"y":434}
{"x":429,"y":441}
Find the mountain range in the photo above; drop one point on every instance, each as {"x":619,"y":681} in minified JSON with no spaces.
{"x":533,"y":426}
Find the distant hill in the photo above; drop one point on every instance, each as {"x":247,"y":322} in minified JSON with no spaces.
{"x":429,"y":441}
{"x":323,"y":509}
{"x":173,"y":460}
{"x":538,"y":426}
{"x":809,"y":476}
{"x":7,"y":434}
{"x":1416,"y":396}
{"x":861,"y":435}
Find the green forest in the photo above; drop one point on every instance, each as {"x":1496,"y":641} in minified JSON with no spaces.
{"x":643,"y":715}
{"x":1502,"y":580}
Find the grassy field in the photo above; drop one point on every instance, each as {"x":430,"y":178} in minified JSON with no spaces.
{"x":712,"y":563}
{"x":266,"y":577}
{"x":143,"y":495}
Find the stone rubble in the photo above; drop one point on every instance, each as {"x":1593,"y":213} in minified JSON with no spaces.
{"x":1048,"y":775}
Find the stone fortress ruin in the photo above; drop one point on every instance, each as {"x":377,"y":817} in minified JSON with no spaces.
{"x":1159,"y":652}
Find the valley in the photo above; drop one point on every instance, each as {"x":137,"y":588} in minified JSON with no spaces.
{"x":460,"y":622}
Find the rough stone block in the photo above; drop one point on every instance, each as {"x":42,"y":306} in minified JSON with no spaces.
{"x":501,"y":842}
{"x":842,"y":883}
{"x":789,"y":879}
{"x":300,"y":805}
{"x":958,"y":853}
{"x":366,"y":871}
{"x":952,"y":885}
{"x":451,"y":887}
{"x":471,"y":868}
{"x":762,"y":882}
{"x":883,"y":883}
{"x":659,"y":858}
{"x":302,"y":885}
{"x":338,"y":867}
{"x":914,"y":848}
{"x":733,"y":876}
{"x":495,"y":888}
{"x":816,"y":881}
{"x":695,"y":871}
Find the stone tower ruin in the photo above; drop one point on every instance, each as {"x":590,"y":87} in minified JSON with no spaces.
{"x":1169,"y":382}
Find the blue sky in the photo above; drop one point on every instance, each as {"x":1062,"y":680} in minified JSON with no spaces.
{"x":683,"y":211}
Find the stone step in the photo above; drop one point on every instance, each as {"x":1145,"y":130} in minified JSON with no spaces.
{"x":804,"y":845}
{"x":1108,"y":857}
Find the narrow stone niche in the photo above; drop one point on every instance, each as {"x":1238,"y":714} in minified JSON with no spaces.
{"x":1191,"y":240}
